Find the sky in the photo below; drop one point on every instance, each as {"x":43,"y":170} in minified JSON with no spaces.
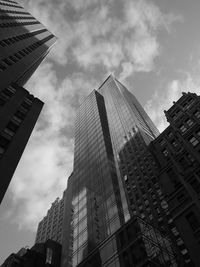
{"x":152,"y":47}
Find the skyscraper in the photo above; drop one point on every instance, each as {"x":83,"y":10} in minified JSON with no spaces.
{"x":110,"y":182}
{"x":24,"y":43}
{"x":177,"y":151}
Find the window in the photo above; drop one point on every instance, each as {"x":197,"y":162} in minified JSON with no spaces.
{"x":197,"y":114}
{"x":13,"y":59}
{"x":4,"y":141}
{"x":165,"y":152}
{"x":17,"y":55}
{"x":175,"y":231}
{"x":16,"y":120}
{"x":184,"y":251}
{"x":2,"y":150}
{"x":193,"y":141}
{"x":26,"y":105}
{"x":183,"y":162}
{"x":181,"y":198}
{"x":170,"y":135}
{"x":12,"y":127}
{"x":8,"y":92}
{"x":174,"y":143}
{"x":195,"y":184}
{"x":2,"y":67}
{"x":20,"y":115}
{"x":8,"y":62}
{"x":28,"y":101}
{"x":3,"y":100}
{"x":183,"y":128}
{"x":125,"y":178}
{"x":49,"y":255}
{"x":162,"y":142}
{"x":198,"y":133}
{"x":9,"y":132}
{"x":192,"y":220}
{"x":189,"y":122}
{"x":11,"y":89}
{"x":190,"y":158}
{"x":173,"y":177}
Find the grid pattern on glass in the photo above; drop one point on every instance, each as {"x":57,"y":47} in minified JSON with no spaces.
{"x":95,"y":208}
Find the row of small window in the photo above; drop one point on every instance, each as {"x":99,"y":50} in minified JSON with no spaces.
{"x":174,"y":145}
{"x":19,"y":55}
{"x":183,"y":128}
{"x":15,"y":24}
{"x":193,"y":140}
{"x":6,"y":94}
{"x":5,"y":4}
{"x":14,"y":12}
{"x":12,"y":127}
{"x":189,"y":122}
{"x":187,"y":104}
{"x":12,"y":40}
{"x":10,"y":1}
{"x":16,"y":17}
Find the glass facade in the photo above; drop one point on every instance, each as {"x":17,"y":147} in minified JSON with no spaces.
{"x":136,"y":243}
{"x":96,"y":203}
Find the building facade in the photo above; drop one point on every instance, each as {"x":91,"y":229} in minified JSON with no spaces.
{"x":24,"y":43}
{"x":177,"y":152}
{"x":115,"y":176}
{"x":19,"y":111}
{"x":51,"y":226}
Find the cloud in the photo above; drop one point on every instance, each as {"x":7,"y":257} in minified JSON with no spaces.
{"x":80,"y":5}
{"x":110,"y":40}
{"x":92,"y":33}
{"x":143,"y":22}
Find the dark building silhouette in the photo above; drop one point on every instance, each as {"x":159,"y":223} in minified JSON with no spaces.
{"x":40,"y":255}
{"x":24,"y":43}
{"x":177,"y":152}
{"x":19,"y":112}
{"x":115,"y":179}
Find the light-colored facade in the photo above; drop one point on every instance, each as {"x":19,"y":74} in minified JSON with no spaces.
{"x":51,"y":226}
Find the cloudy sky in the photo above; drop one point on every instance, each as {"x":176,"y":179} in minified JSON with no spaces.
{"x":151,"y":46}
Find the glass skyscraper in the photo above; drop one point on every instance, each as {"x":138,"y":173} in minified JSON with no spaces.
{"x":114,"y":178}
